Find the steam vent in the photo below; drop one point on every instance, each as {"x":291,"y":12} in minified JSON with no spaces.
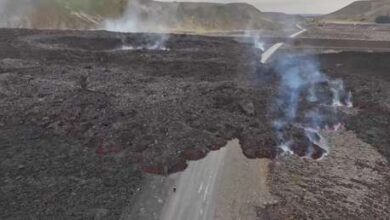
{"x":165,"y":110}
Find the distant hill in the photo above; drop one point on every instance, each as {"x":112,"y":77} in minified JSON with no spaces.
{"x":222,"y":17}
{"x":364,"y":11}
{"x":58,"y":14}
{"x":187,"y":16}
{"x":91,"y":14}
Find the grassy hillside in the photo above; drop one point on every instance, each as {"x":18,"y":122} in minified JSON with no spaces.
{"x":59,"y":14}
{"x":364,"y":11}
{"x":203,"y":16}
{"x":94,"y":7}
{"x":222,"y":17}
{"x":87,"y":14}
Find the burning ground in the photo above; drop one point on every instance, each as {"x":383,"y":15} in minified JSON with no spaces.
{"x":84,"y":114}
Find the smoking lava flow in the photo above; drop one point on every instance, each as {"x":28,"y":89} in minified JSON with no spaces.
{"x":308,"y":101}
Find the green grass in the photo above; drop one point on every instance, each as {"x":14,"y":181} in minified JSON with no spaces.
{"x":95,"y":7}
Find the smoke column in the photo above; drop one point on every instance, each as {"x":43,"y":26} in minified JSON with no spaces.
{"x":307,"y":102}
{"x":142,"y":17}
{"x":14,"y":13}
{"x":258,"y":43}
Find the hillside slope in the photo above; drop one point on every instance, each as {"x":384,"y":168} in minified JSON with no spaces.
{"x":145,"y":14}
{"x":365,"y":11}
{"x":58,"y":14}
{"x":229,"y":16}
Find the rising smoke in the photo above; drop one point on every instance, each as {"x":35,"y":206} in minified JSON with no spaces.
{"x":307,"y":102}
{"x":258,"y":43}
{"x":14,"y":14}
{"x":143,"y":17}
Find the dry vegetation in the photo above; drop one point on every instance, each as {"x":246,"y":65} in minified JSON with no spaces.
{"x":89,"y":14}
{"x":362,"y":11}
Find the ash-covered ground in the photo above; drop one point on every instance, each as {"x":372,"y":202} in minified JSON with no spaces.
{"x":82,"y":119}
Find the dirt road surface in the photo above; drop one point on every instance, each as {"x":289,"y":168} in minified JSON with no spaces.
{"x":271,"y":50}
{"x":194,"y":197}
{"x":224,"y":185}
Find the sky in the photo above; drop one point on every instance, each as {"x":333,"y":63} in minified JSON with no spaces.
{"x":290,"y":6}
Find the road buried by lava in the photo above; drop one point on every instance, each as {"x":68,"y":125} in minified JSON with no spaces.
{"x":81,"y":119}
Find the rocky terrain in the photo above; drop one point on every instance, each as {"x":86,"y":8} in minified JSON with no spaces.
{"x":81,"y":118}
{"x":353,"y":182}
{"x":84,"y":115}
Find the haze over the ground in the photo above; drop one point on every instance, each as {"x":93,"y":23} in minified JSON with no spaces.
{"x":289,"y":6}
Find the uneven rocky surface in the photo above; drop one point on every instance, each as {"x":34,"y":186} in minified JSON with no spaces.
{"x":81,"y":117}
{"x":353,"y":181}
{"x":71,"y":116}
{"x":369,"y":80}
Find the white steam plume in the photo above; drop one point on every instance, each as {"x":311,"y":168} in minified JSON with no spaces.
{"x":258,"y":43}
{"x":14,"y":13}
{"x":255,"y":38}
{"x":307,"y":102}
{"x":143,"y":17}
